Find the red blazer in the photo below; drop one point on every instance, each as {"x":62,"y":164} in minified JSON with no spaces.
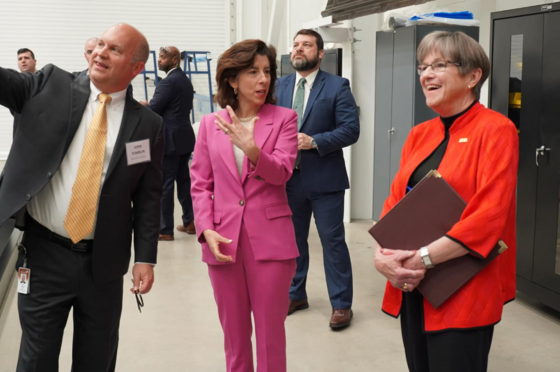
{"x":222,"y":200}
{"x":481,"y":164}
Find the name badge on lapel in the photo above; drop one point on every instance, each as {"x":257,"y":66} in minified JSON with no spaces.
{"x":138,"y":152}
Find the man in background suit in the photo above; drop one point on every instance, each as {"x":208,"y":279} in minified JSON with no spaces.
{"x":89,"y":47}
{"x":26,"y":63}
{"x":26,"y":60}
{"x":173,"y":100}
{"x":327,"y":121}
{"x":86,"y":165}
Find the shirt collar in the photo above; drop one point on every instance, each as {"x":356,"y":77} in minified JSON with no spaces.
{"x":310,"y":79}
{"x":174,"y":68}
{"x":117,"y":98}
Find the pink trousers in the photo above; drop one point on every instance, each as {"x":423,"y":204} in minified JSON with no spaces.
{"x":261,"y":287}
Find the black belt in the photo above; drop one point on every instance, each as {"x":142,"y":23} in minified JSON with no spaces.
{"x":36,"y":228}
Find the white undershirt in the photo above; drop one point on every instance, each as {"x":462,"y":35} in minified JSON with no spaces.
{"x":50,"y":205}
{"x":309,"y":80}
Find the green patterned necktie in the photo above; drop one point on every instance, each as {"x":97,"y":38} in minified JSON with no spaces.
{"x":299,"y":100}
{"x":298,"y":107}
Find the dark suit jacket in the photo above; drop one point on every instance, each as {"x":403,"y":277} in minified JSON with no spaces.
{"x":51,"y":103}
{"x":16,"y":122}
{"x":331,"y":118}
{"x":173,"y":100}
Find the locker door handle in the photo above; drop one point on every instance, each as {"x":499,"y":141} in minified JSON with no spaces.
{"x":540,"y":152}
{"x":390,"y":132}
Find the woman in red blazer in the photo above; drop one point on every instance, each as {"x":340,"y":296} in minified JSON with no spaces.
{"x":243,"y":157}
{"x":476,"y":151}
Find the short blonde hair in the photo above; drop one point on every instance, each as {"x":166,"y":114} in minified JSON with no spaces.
{"x":457,"y":47}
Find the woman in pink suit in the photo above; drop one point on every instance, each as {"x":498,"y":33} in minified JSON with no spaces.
{"x":243,"y":157}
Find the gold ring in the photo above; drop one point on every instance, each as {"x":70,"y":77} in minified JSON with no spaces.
{"x":404,"y":286}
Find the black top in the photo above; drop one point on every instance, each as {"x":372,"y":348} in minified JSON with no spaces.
{"x":433,"y":161}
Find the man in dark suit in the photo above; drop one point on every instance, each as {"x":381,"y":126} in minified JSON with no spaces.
{"x":26,"y":60}
{"x":173,"y":100}
{"x":85,"y":164}
{"x":327,"y":121}
{"x":26,"y":63}
{"x":89,"y":47}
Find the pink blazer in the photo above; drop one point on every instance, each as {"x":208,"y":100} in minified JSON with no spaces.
{"x":222,"y":200}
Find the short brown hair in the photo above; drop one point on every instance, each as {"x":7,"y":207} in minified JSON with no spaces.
{"x":25,"y":50}
{"x":239,"y":57}
{"x":457,"y":47}
{"x":310,"y":32}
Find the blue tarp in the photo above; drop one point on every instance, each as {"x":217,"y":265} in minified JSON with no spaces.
{"x":452,"y":15}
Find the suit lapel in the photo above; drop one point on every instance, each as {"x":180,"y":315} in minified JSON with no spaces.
{"x":288,"y":91}
{"x":263,"y":128}
{"x":318,"y":85}
{"x":80,"y":95}
{"x":131,"y":119}
{"x":226,"y":148}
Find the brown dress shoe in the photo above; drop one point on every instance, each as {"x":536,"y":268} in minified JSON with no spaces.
{"x":341,"y":318}
{"x":165,"y":238}
{"x":189,"y":229}
{"x":297,"y":305}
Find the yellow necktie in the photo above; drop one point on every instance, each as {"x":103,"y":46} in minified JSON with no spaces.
{"x":80,"y":217}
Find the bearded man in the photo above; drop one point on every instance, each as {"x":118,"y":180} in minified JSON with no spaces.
{"x":327,"y":122}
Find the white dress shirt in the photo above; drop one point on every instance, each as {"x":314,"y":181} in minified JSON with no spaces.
{"x":50,"y":205}
{"x":310,"y":79}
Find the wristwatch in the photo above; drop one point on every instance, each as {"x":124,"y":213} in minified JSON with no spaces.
{"x":314,"y":144}
{"x":426,"y":260}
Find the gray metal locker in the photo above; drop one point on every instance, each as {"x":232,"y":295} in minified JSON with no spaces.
{"x":399,"y":101}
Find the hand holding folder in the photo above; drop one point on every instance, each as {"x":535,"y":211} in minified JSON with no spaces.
{"x":424,"y":215}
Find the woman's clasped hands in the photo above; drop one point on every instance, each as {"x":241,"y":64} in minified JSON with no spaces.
{"x":400,"y":267}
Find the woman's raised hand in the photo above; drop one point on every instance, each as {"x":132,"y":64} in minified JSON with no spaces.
{"x":240,"y":135}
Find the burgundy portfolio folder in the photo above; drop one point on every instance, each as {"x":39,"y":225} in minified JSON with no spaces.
{"x":424,"y":215}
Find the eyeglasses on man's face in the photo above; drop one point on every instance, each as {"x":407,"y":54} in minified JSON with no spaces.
{"x":437,"y":66}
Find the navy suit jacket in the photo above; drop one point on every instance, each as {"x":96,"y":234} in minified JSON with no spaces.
{"x":173,"y":101}
{"x":331,"y":118}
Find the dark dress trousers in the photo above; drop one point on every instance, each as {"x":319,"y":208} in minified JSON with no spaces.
{"x":173,"y":100}
{"x":318,"y":186}
{"x":52,"y":103}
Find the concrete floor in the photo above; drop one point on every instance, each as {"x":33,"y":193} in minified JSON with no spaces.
{"x":178,"y":329}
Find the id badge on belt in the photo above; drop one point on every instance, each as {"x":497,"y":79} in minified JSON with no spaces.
{"x":24,"y":274}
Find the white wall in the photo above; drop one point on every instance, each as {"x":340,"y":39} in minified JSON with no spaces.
{"x":56,"y":31}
